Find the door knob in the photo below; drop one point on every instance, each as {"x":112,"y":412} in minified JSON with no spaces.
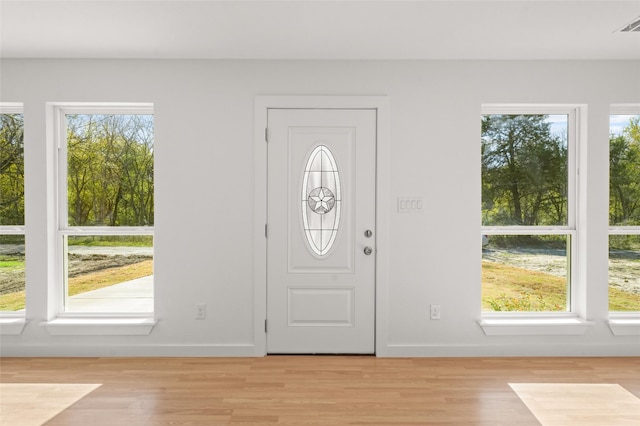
{"x":368,"y":250}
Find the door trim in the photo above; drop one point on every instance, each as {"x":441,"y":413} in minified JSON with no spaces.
{"x":261,"y":106}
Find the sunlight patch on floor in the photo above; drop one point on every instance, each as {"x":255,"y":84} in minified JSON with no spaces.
{"x":556,"y":404}
{"x":33,"y":404}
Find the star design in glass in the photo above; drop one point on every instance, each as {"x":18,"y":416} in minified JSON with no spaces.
{"x":321,"y":200}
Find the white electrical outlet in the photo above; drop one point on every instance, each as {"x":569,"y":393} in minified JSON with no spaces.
{"x":435,"y":312}
{"x":201,"y":311}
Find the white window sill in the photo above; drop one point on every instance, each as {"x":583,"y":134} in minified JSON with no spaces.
{"x":100,"y":326}
{"x":534,"y":326}
{"x":625,"y":326}
{"x":12,"y":325}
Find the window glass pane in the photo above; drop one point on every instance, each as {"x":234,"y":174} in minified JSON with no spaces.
{"x":11,"y":169}
{"x":110,"y":170}
{"x":111,"y":274}
{"x":321,"y":200}
{"x":525,"y":273}
{"x":624,"y":170}
{"x":624,"y":273}
{"x":12,"y":273}
{"x":524,"y":170}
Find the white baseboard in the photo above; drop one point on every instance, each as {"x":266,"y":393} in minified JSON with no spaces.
{"x":240,"y":350}
{"x":390,"y":351}
{"x":568,"y":350}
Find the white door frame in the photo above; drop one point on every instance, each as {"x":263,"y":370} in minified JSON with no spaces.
{"x":262,"y":104}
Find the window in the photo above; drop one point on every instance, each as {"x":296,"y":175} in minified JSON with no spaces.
{"x":12,"y":230}
{"x":105,"y":208}
{"x":528,"y":208}
{"x":624,"y":210}
{"x":321,"y":200}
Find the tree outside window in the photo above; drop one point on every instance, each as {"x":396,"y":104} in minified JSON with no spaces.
{"x":12,"y":239}
{"x":528,"y":230}
{"x":624,"y":213}
{"x":107,"y":209}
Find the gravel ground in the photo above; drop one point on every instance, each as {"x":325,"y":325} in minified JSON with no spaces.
{"x":82,"y":260}
{"x":624,"y":266}
{"x":624,"y":271}
{"x":552,"y":262}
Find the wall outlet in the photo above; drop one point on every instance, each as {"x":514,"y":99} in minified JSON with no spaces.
{"x":435,"y":312}
{"x":201,"y":311}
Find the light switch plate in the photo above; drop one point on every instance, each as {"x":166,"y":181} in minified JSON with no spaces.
{"x":410,"y":204}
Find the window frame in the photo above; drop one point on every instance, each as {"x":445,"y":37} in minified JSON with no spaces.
{"x":621,"y":322}
{"x":64,"y":230}
{"x":14,"y":320}
{"x":570,"y":321}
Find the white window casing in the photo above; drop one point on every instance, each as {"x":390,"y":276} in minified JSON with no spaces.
{"x":571,"y":322}
{"x":88,"y":323}
{"x":624,"y":323}
{"x":12,"y":323}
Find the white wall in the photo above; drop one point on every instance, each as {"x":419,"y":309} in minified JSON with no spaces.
{"x":204,"y":164}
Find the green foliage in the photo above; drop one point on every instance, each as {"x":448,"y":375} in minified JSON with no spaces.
{"x":7,"y":262}
{"x":110,"y":170}
{"x":112,"y":241}
{"x":11,"y":169}
{"x":624,"y":172}
{"x":11,"y":239}
{"x":624,"y":242}
{"x":524,"y":171}
{"x":529,"y":241}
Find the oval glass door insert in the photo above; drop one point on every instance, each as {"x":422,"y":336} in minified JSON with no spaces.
{"x":321,"y":200}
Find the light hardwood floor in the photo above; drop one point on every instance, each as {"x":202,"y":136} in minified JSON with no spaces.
{"x":322,"y":390}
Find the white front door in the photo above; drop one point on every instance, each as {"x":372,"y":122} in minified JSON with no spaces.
{"x":321,"y":231}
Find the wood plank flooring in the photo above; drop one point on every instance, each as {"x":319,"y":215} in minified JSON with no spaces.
{"x":36,"y":403}
{"x":312,"y":390}
{"x":586,"y":404}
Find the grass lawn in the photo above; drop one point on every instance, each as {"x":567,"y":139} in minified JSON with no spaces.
{"x":110,"y":276}
{"x":11,"y":264}
{"x":509,"y":288}
{"x":12,"y":301}
{"x":504,"y":288}
{"x":87,"y":282}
